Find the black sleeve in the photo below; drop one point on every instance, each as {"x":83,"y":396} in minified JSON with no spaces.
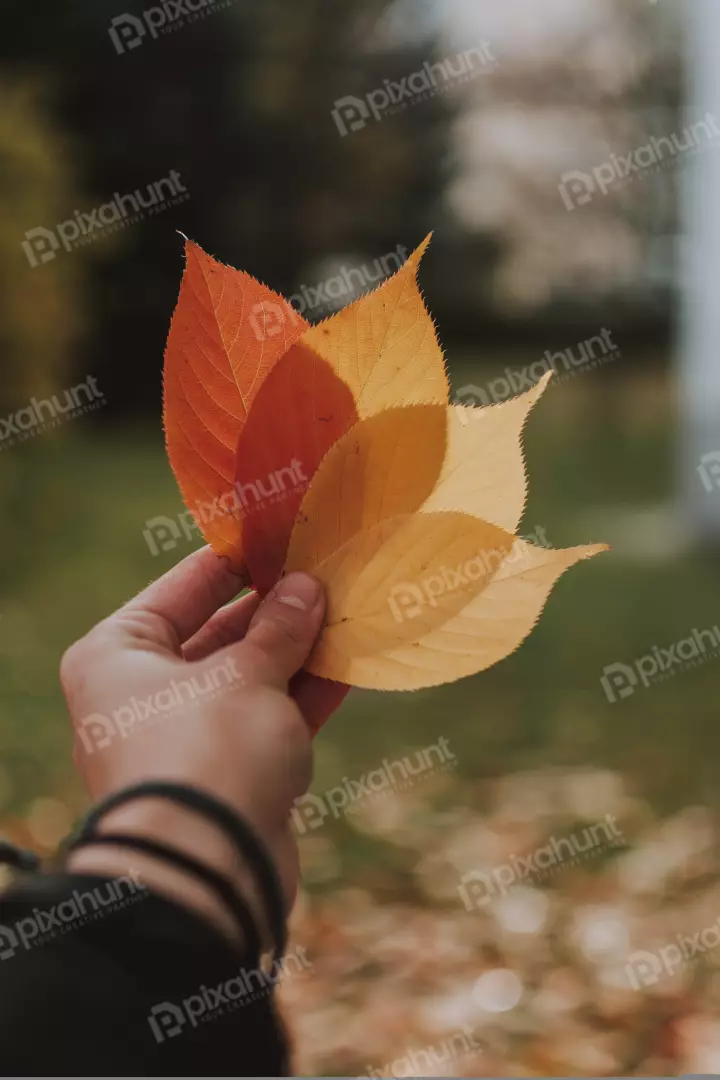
{"x":101,"y":977}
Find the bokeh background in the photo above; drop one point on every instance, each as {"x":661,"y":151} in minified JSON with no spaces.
{"x":415,"y":965}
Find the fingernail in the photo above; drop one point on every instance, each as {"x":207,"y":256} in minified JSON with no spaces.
{"x":298,"y":591}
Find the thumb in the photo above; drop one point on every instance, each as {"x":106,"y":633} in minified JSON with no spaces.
{"x":283,"y":630}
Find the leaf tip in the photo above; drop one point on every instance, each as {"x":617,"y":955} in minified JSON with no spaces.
{"x":596,"y":549}
{"x":544,"y":380}
{"x":419,"y":251}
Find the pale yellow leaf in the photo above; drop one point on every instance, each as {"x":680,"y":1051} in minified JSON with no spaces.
{"x":484,"y":468}
{"x":398,"y":580}
{"x":468,"y":629}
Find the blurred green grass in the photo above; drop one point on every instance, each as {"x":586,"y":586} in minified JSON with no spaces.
{"x":75,"y":506}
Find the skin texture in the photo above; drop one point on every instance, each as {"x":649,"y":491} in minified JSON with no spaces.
{"x":249,"y":742}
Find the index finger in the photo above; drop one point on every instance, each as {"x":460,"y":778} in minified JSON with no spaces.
{"x":189,"y":594}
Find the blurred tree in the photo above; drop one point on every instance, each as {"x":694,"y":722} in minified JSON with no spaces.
{"x":575,"y":87}
{"x":239,"y":103}
{"x":40,"y":306}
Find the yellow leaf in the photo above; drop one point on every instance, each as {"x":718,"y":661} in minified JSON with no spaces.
{"x":450,"y":626}
{"x":396,"y":581}
{"x":484,"y":468}
{"x":384,"y":346}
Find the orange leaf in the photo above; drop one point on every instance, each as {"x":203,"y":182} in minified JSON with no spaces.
{"x":227,"y":333}
{"x":384,"y":467}
{"x":380,"y":352}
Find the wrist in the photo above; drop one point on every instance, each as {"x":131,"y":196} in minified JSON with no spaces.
{"x":167,"y":881}
{"x":190,"y":834}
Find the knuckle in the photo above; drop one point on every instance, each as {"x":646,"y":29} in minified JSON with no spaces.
{"x":71,"y":662}
{"x":284,"y":630}
{"x":142,"y":626}
{"x":82,"y":653}
{"x":291,"y":629}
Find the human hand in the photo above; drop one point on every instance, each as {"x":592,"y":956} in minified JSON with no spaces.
{"x":235,"y":731}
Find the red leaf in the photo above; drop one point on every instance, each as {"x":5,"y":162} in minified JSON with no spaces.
{"x":300,"y":411}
